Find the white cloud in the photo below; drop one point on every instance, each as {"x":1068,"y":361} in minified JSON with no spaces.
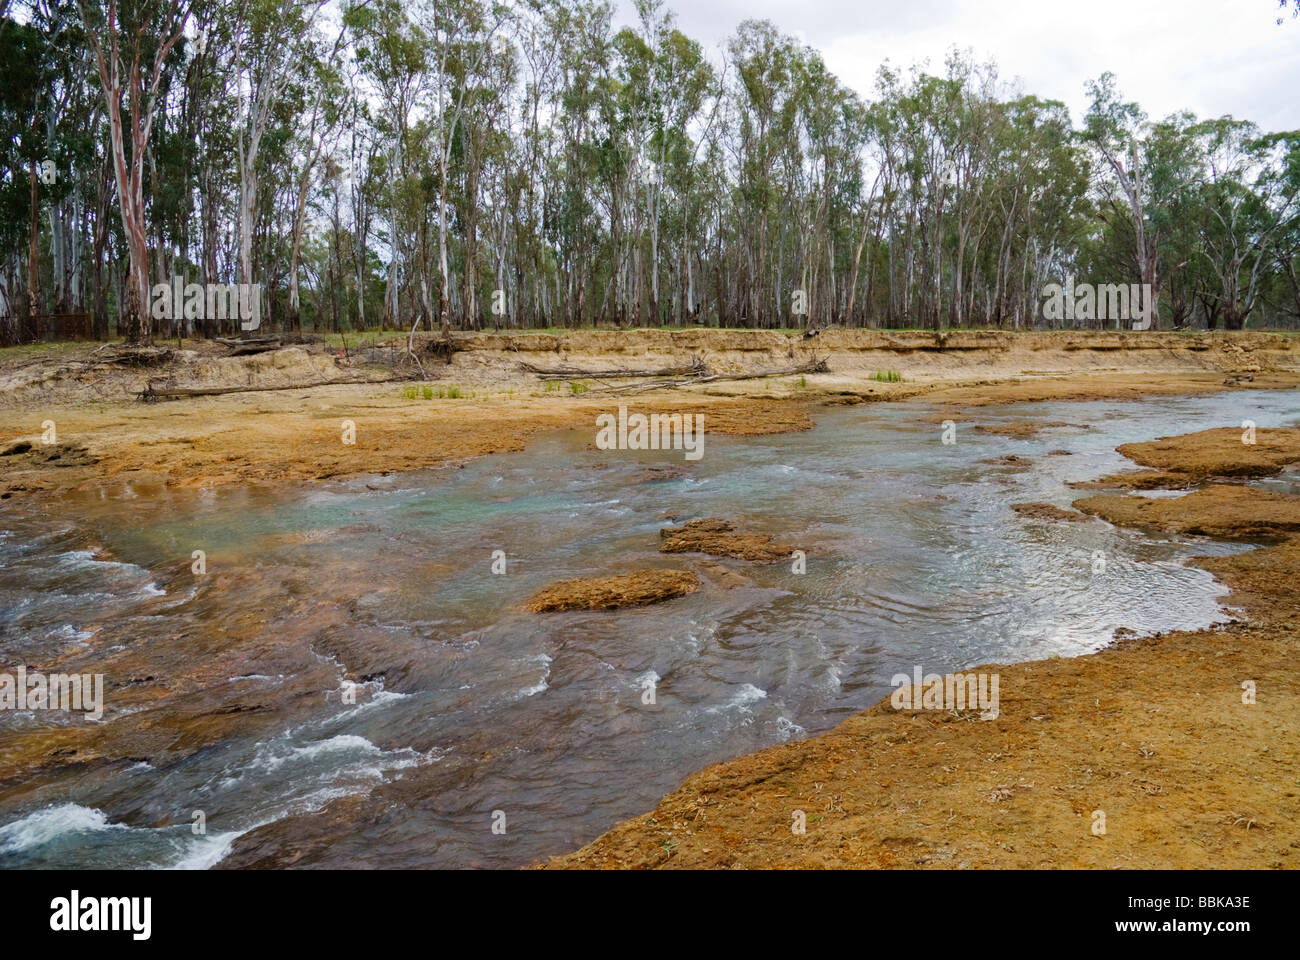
{"x":1213,"y":57}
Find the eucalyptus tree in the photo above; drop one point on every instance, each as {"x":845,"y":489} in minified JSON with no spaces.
{"x":689,"y":100}
{"x":1248,"y":204}
{"x":23,"y":138}
{"x":1287,"y":252}
{"x":483,"y":92}
{"x":68,"y":108}
{"x":766,"y":101}
{"x":582,"y":27}
{"x":460,"y":37}
{"x":928,"y":114}
{"x":883,"y":162}
{"x":831,"y":128}
{"x":390,"y":52}
{"x":271,"y":38}
{"x":316,"y":89}
{"x":132,"y":42}
{"x":536,"y":25}
{"x":1119,"y":132}
{"x":979,"y":116}
{"x":1040,"y":179}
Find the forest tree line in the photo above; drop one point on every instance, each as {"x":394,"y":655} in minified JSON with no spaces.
{"x":469,"y":164}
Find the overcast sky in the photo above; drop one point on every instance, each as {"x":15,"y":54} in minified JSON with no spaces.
{"x":1213,"y":57}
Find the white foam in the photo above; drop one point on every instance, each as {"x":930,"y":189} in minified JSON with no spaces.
{"x":40,"y":827}
{"x":341,"y":743}
{"x":381,"y":698}
{"x":347,"y":756}
{"x":544,"y":661}
{"x":746,"y":694}
{"x":72,"y":634}
{"x":207,"y":851}
{"x":89,"y":560}
{"x":789,"y":728}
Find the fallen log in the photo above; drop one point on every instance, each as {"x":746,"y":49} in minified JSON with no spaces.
{"x":245,"y":341}
{"x":812,"y":366}
{"x":139,"y":356}
{"x":154,"y":392}
{"x":242,"y":346}
{"x":696,"y":367}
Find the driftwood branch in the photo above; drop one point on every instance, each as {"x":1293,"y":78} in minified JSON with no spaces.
{"x":696,"y":368}
{"x":242,"y":347}
{"x":168,"y":391}
{"x":812,"y":366}
{"x":253,"y":348}
{"x":137,"y":357}
{"x":245,"y":341}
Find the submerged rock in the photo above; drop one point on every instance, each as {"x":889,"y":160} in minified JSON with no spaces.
{"x":715,"y":537}
{"x":660,"y":473}
{"x":609,"y":593}
{"x":1023,"y":429}
{"x":723,"y":576}
{"x":1048,"y":511}
{"x":1220,"y":510}
{"x":1221,"y":453}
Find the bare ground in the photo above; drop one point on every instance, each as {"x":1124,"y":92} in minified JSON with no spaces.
{"x":489,"y":404}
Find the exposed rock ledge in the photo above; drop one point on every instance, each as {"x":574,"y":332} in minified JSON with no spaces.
{"x":609,"y":593}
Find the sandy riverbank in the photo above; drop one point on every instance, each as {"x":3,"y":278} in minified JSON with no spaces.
{"x":484,"y":402}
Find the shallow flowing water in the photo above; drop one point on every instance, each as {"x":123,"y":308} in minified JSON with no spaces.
{"x":471,"y":706}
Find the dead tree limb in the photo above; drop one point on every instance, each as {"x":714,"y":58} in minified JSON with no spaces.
{"x":253,"y":348}
{"x":812,"y":366}
{"x":168,"y":391}
{"x":696,"y":368}
{"x":245,"y":341}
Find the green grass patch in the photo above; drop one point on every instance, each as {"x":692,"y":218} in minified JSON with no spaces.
{"x":431,"y":393}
